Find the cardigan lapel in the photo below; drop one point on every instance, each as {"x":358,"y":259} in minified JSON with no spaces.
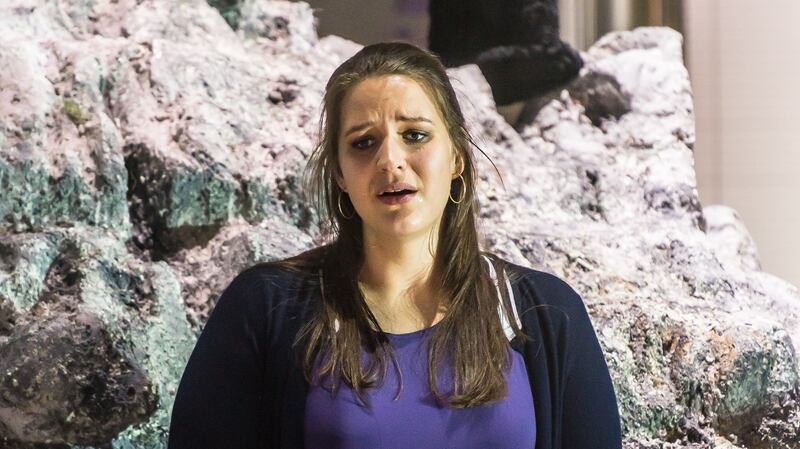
{"x":290,"y":432}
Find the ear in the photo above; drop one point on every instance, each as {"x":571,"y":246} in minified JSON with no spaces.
{"x":339,"y":178}
{"x":458,"y":164}
{"x":340,"y":182}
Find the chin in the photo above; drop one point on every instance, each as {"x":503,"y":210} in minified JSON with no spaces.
{"x":409,"y":230}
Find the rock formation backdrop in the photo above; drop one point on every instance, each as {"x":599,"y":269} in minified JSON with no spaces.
{"x":150,"y":150}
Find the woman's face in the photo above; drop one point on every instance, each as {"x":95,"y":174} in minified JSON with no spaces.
{"x":390,"y":132}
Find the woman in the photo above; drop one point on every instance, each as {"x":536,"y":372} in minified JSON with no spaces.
{"x":398,"y":333}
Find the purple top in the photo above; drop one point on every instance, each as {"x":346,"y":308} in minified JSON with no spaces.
{"x":415,"y":420}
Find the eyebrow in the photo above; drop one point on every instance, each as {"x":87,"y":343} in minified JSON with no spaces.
{"x":402,"y":118}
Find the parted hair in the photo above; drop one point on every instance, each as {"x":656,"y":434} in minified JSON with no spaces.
{"x":470,"y":336}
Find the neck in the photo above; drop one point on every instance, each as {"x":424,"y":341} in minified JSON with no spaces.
{"x":398,"y":272}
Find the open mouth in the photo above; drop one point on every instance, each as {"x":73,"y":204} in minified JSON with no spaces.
{"x":398,"y":193}
{"x":397,"y":197}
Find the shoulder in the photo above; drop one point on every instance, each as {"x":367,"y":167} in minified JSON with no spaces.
{"x":274,"y":280}
{"x":253,"y":281}
{"x":541,"y":289}
{"x":549,"y":287}
{"x":262,"y":285}
{"x":262,"y":298}
{"x":550,"y":304}
{"x":285,"y":273}
{"x":268,"y":273}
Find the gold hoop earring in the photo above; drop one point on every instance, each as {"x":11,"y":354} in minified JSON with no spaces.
{"x":339,"y":203}
{"x":463,"y":190}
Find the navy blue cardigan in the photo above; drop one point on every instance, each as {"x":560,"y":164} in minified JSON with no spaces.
{"x":243,"y":385}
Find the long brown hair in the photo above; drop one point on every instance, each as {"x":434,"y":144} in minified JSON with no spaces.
{"x":470,"y":334}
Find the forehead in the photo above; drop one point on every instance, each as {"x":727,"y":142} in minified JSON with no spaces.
{"x":391,"y":93}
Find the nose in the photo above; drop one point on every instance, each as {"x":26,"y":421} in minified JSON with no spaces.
{"x":391,"y":155}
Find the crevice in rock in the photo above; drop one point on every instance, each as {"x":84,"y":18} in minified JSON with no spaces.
{"x":139,"y":204}
{"x":692,"y":429}
{"x":532,"y":106}
{"x":780,"y":427}
{"x":591,"y":204}
{"x":149,"y":185}
{"x":294,"y":202}
{"x":169,"y":241}
{"x":8,"y":257}
{"x":229,"y":10}
{"x":62,"y":281}
{"x":133,"y":291}
{"x":749,"y":427}
{"x":8,"y":317}
{"x":601,"y":95}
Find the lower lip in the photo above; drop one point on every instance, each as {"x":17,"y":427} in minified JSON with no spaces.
{"x":394,"y":199}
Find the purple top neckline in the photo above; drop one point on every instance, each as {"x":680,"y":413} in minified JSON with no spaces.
{"x":411,"y":334}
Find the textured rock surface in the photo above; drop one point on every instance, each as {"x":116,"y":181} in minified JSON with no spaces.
{"x":149,"y":151}
{"x":93,"y":341}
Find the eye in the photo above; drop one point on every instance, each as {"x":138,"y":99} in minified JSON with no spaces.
{"x":357,"y":144}
{"x":421,"y":135}
{"x":413,"y":136}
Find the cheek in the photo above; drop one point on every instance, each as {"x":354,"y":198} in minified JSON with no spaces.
{"x":348,"y":169}
{"x":355,"y":178}
{"x":437,"y":165}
